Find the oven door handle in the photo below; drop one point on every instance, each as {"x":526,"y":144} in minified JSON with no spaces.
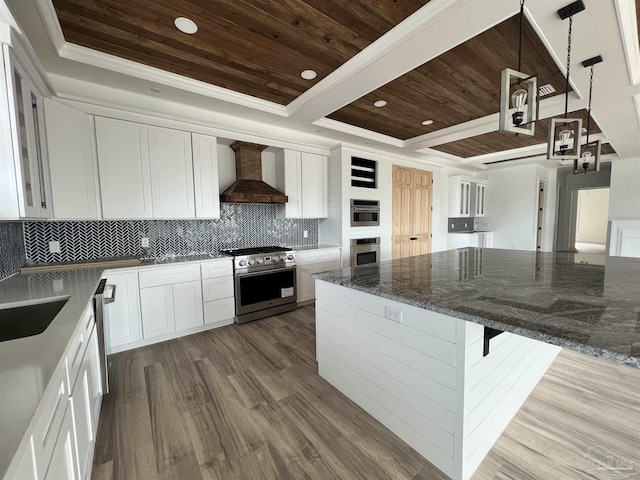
{"x":266,"y":271}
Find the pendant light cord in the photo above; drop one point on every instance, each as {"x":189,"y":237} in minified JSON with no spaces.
{"x":520,"y":44}
{"x":589,"y":107}
{"x":566,"y":85}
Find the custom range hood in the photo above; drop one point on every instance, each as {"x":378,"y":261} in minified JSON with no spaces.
{"x":249,"y":187}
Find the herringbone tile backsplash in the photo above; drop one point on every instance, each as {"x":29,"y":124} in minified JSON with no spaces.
{"x":12,"y":255}
{"x":239,"y":226}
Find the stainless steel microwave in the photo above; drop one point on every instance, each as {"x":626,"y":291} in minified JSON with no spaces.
{"x":365,"y":213}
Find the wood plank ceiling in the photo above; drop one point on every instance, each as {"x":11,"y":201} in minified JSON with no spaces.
{"x":460,"y":85}
{"x":256,"y":47}
{"x":499,"y":141}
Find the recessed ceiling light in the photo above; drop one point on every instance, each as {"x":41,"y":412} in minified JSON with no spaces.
{"x":379,"y":103}
{"x":427,"y":122}
{"x":186,"y":25}
{"x":308,"y":74}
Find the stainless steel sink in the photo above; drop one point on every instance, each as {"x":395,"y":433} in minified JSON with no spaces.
{"x":28,"y":320}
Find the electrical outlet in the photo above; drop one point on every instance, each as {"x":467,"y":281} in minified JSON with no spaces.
{"x":144,"y":242}
{"x":305,"y":234}
{"x":54,"y":246}
{"x":393,"y":314}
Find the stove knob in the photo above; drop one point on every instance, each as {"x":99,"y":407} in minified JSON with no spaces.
{"x":276,"y":259}
{"x":260,"y":261}
{"x":251,"y":262}
{"x":242,"y":263}
{"x":289,"y":257}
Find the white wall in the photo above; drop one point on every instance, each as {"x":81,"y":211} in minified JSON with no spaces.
{"x":383,"y":194}
{"x":593,"y":210}
{"x":624,"y":199}
{"x":511,"y":206}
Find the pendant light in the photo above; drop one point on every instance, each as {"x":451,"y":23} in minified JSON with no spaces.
{"x":564,"y":133}
{"x":521,"y":90}
{"x":589,"y":161}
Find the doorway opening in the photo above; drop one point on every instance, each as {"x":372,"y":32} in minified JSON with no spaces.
{"x":591,"y":220}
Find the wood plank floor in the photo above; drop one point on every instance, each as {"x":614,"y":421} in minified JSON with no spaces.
{"x":245,"y":402}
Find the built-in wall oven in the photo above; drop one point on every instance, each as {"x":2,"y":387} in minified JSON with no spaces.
{"x":364,"y":251}
{"x":365,"y":213}
{"x":265,"y":282}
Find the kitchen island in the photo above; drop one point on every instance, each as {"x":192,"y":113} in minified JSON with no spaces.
{"x":413,"y":341}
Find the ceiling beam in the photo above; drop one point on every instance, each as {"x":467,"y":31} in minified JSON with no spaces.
{"x":421,"y":37}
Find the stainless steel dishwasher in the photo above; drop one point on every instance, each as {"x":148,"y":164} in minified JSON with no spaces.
{"x":104,"y":295}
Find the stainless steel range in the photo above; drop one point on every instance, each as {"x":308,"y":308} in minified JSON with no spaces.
{"x":265,"y":281}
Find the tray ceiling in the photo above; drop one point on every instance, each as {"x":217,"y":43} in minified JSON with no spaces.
{"x":460,"y":85}
{"x":254,"y":47}
{"x":500,"y":141}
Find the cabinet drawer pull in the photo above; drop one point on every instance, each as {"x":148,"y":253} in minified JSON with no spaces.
{"x":413,"y":238}
{"x":61,"y":396}
{"x":89,"y":322}
{"x":75,"y":356}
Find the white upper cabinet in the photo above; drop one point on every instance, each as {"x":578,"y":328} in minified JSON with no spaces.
{"x":72,"y":158}
{"x":314,"y":185}
{"x":24,"y":170}
{"x":480,"y":199}
{"x":467,"y":196}
{"x":171,"y":173}
{"x":288,"y":182}
{"x":459,"y":197}
{"x":205,"y":167}
{"x":125,"y":174}
{"x":303,"y":178}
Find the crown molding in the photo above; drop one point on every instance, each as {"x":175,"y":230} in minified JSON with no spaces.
{"x":106,"y":61}
{"x":628,"y":23}
{"x":51,"y":22}
{"x":27,"y":58}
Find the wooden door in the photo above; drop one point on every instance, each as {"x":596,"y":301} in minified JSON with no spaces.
{"x":411,"y":212}
{"x":421,"y":210}
{"x":402,"y":205}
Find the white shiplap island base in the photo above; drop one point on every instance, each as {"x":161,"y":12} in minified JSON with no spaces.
{"x":423,"y":375}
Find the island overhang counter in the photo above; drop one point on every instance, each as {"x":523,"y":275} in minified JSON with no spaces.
{"x":412,"y":341}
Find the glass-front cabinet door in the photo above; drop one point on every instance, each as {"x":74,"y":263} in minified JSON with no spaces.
{"x":32,"y":167}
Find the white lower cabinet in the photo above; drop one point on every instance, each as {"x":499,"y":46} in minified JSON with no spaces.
{"x":187,"y":304}
{"x":218,"y":292}
{"x":122,"y":317}
{"x":173,"y":303}
{"x":158,"y":317}
{"x":220,"y":311}
{"x":63,"y":459}
{"x":310,"y":262}
{"x":26,"y":466}
{"x":60,"y":441}
{"x":463,"y":240}
{"x":81,"y":400}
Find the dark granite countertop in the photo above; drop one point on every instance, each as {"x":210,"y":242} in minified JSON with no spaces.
{"x":590,"y":304}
